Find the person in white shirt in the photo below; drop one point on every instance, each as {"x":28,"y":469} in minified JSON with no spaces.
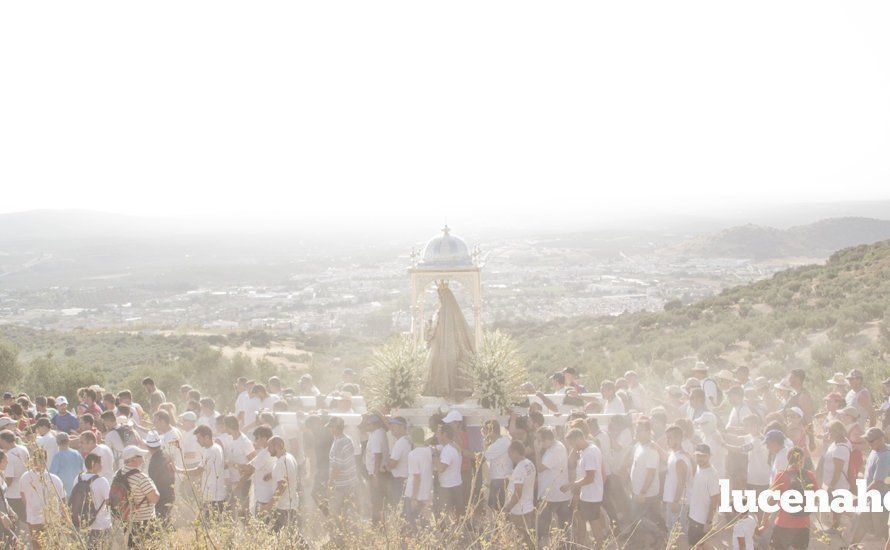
{"x":191,"y":451}
{"x":237,"y":450}
{"x":285,"y":475}
{"x":259,"y":470}
{"x":42,"y":494}
{"x":612,"y":404}
{"x":376,"y":453}
{"x":208,"y":414}
{"x":99,"y":490}
{"x":777,"y":446}
{"x":397,"y":464}
{"x":703,"y":496}
{"x":118,"y":434}
{"x":499,"y":464}
{"x":553,"y":475}
{"x":307,"y":387}
{"x":89,"y":446}
{"x":743,"y":532}
{"x":241,"y":400}
{"x":636,"y":391}
{"x":419,"y":487}
{"x":676,"y":479}
{"x":835,"y":463}
{"x":589,"y":482}
{"x":644,"y":479}
{"x":212,"y":471}
{"x":170,"y":436}
{"x":17,"y":459}
{"x":706,"y":426}
{"x":448,"y":466}
{"x":739,"y":412}
{"x":520,"y":505}
{"x":46,"y":438}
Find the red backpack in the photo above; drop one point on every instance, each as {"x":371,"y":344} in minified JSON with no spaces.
{"x":119,"y":494}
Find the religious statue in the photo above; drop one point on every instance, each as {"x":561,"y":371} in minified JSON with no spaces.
{"x":450,"y":344}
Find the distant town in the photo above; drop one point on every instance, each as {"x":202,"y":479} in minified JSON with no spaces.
{"x":523,"y":280}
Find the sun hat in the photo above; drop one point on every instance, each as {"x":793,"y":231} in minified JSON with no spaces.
{"x":152,"y":440}
{"x":837,"y":379}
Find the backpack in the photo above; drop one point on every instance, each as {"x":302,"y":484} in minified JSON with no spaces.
{"x":126,"y":433}
{"x":83,"y":512}
{"x":119,"y":494}
{"x":718,"y":400}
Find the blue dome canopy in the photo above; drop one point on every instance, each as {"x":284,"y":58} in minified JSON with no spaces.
{"x":446,"y":251}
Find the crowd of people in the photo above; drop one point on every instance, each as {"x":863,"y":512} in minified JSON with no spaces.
{"x":565,"y":466}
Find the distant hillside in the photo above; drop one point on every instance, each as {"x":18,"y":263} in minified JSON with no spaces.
{"x":760,"y":242}
{"x":820,"y":317}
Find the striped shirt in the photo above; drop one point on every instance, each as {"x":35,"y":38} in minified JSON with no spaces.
{"x":342,"y":459}
{"x":141,"y":486}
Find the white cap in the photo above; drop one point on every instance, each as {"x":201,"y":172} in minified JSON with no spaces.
{"x":796,"y":410}
{"x":61,"y":400}
{"x":453,"y":416}
{"x":6,"y":421}
{"x":131,"y":451}
{"x":152,"y":439}
{"x":188,"y":416}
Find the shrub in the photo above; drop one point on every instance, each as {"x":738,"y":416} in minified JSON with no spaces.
{"x":394,"y":378}
{"x":497,"y":371}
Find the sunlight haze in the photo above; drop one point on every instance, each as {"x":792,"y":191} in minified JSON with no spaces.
{"x":350,"y":113}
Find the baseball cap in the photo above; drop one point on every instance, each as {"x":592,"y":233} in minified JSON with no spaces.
{"x":131,"y":451}
{"x":188,"y":416}
{"x":7,"y":395}
{"x":854,"y":373}
{"x":348,"y":371}
{"x":5,"y":421}
{"x":701,"y":367}
{"x":61,"y":400}
{"x":834,"y":396}
{"x":453,"y":416}
{"x":570,"y":370}
{"x":398,"y":420}
{"x":774,"y":435}
{"x":152,"y":439}
{"x":795,"y":410}
{"x":702,"y":449}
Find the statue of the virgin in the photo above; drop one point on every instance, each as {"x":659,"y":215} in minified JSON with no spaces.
{"x":450,"y":345}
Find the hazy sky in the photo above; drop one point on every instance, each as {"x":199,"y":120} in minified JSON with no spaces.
{"x":387,"y":110}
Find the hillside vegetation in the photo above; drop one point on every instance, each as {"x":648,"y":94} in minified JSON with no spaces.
{"x":760,"y":242}
{"x":824,"y":318}
{"x":820,"y":317}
